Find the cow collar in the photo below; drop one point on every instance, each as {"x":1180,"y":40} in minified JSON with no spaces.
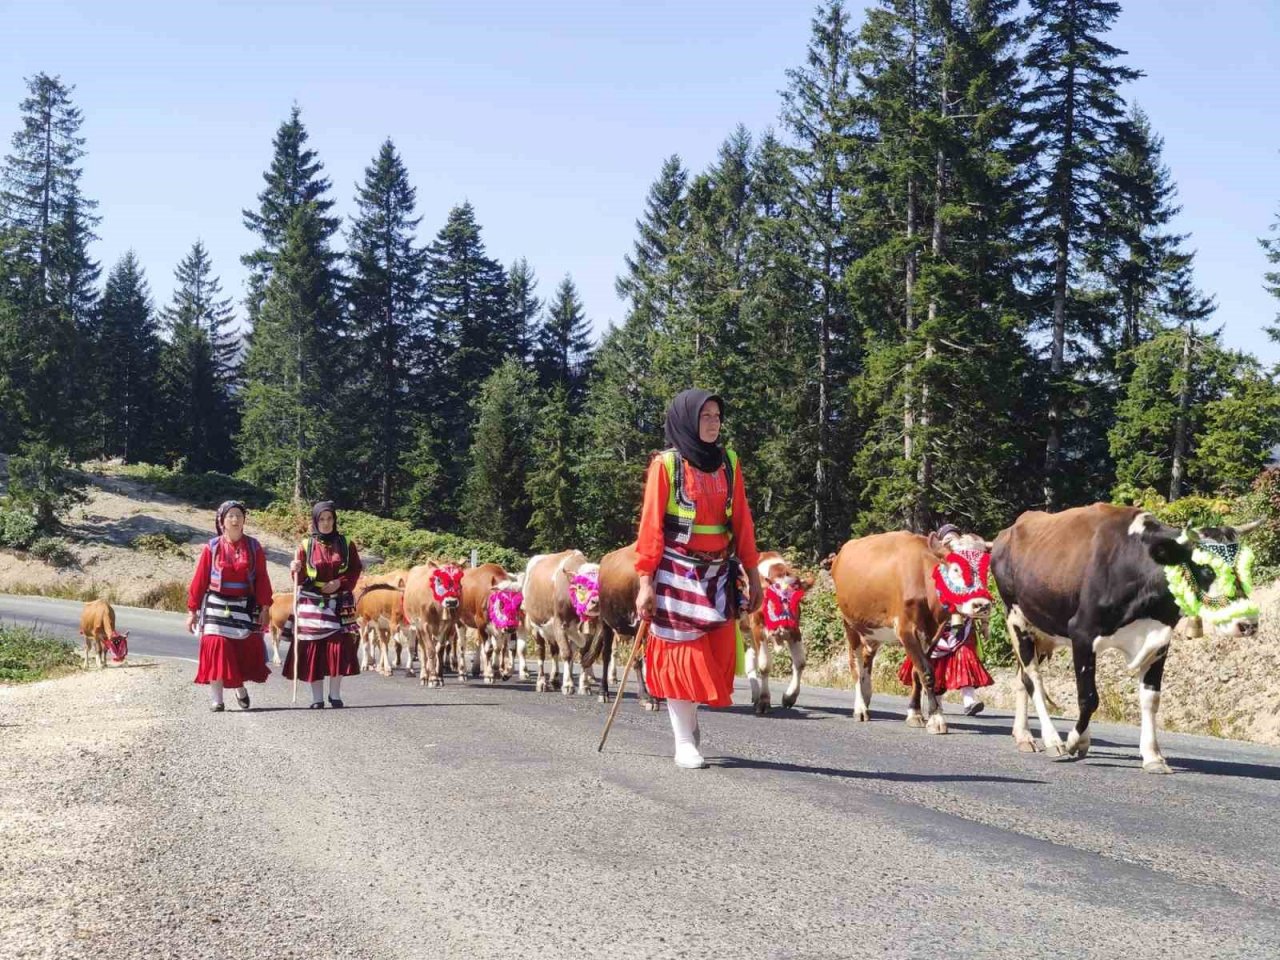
{"x":1232,"y":566}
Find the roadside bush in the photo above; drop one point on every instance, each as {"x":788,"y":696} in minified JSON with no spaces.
{"x":170,"y":595}
{"x":1262,"y":502}
{"x":162,"y":544}
{"x":53,"y":551}
{"x":27,"y":654}
{"x":18,"y":528}
{"x":206,"y":489}
{"x":398,"y":543}
{"x":40,"y":480}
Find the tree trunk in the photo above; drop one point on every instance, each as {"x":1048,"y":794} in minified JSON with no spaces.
{"x":908,"y":311}
{"x":1180,"y":431}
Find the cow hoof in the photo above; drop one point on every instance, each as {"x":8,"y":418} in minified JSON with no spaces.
{"x":651,"y":706}
{"x":762,"y":706}
{"x":789,"y":701}
{"x":1078,"y":747}
{"x":488,"y":680}
{"x":506,"y":677}
{"x":603,"y":698}
{"x":1156,"y":766}
{"x":1027,"y":746}
{"x":915,"y":720}
{"x":937,"y":724}
{"x":1055,"y":748}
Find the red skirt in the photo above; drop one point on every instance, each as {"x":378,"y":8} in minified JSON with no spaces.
{"x":961,"y":668}
{"x":699,"y":670}
{"x":232,"y":661}
{"x":336,"y":655}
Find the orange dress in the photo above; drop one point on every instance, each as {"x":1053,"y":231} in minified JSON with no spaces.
{"x":701,"y":669}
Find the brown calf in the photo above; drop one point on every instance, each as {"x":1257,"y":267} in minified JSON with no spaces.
{"x":552,"y":617}
{"x":774,"y":624}
{"x":98,"y":628}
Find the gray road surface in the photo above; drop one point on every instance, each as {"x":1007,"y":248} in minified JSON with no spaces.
{"x":480,"y":821}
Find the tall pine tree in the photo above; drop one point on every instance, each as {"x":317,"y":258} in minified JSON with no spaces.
{"x":386,"y":299}
{"x":127,"y":366}
{"x":524,"y":308}
{"x":563,"y":342}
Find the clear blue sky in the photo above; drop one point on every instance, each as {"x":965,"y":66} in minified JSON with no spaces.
{"x":553,"y":118}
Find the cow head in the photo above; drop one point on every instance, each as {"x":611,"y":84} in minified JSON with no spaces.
{"x":961,"y":577}
{"x":1210,"y":574}
{"x":782,"y":599}
{"x":119,"y":645}
{"x":584,"y":592}
{"x":446,"y":585}
{"x":505,"y":601}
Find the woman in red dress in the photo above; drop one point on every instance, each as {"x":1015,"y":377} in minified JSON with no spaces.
{"x":325,"y":569}
{"x":695,"y":528}
{"x":230,"y":601}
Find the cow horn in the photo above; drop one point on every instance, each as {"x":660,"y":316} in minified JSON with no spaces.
{"x":1249,"y":527}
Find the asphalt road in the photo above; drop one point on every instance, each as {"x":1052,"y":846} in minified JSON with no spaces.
{"x":480,"y":821}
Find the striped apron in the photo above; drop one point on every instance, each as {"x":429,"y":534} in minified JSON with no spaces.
{"x":693,"y":594}
{"x":320,"y":616}
{"x":228,"y":617}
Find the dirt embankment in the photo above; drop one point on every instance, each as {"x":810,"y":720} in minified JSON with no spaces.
{"x":103,"y":536}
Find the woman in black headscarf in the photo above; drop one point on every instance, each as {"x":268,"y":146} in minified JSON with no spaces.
{"x":325,"y":569}
{"x":694,"y":525}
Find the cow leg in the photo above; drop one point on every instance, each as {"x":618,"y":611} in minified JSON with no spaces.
{"x":861,"y":655}
{"x":913,"y":640}
{"x":275,"y":646}
{"x":1085,"y":662}
{"x":764,"y":701}
{"x":606,"y":660}
{"x":796,"y":649}
{"x":1024,"y":646}
{"x":650,"y":703}
{"x":565,"y":648}
{"x":521,"y":643}
{"x":753,"y":674}
{"x":1149,"y":700}
{"x":1021,"y":729}
{"x":540,"y":645}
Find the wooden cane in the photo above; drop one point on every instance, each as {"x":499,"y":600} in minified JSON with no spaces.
{"x":293,"y":647}
{"x":636,"y":645}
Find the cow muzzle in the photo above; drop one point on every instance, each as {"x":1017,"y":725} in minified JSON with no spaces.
{"x":1245,"y":628}
{"x":978,"y":609}
{"x":451,"y":603}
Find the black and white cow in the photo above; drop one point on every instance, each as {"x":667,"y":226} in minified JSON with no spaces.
{"x":1098,"y":578}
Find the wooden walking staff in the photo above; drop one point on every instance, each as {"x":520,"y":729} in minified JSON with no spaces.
{"x":296,"y":639}
{"x":636,"y":645}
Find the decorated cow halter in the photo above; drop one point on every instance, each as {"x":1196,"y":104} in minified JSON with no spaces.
{"x":446,"y":582}
{"x":1228,"y":597}
{"x":584,"y":588}
{"x":782,"y":607}
{"x":504,"y":608}
{"x":119,"y":644}
{"x":961,"y":577}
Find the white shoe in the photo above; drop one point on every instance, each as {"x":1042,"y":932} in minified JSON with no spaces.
{"x":688,"y":757}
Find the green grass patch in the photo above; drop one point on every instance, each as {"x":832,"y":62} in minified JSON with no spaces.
{"x":206,"y":489}
{"x":170,"y":595}
{"x":398,"y":543}
{"x":164,"y":544}
{"x":66,"y":590}
{"x":27,"y":654}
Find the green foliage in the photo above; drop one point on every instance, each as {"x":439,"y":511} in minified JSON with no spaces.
{"x":1262,"y":502}
{"x":124,"y":374}
{"x":40,"y":480}
{"x":53,"y":551}
{"x":163,"y":544}
{"x":18,"y":528}
{"x":395,"y":541}
{"x":206,"y":489}
{"x":170,"y":595}
{"x":27,"y":654}
{"x":552,"y":485}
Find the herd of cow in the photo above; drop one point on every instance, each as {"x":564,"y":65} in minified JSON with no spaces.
{"x":1090,"y":578}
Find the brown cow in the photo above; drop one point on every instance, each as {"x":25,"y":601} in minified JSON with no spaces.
{"x":885,"y":590}
{"x":552,"y":616}
{"x":493,"y":645}
{"x":619,"y":585}
{"x":98,"y":628}
{"x":281,"y":611}
{"x":432,"y":600}
{"x":783,"y":591}
{"x":381,"y":620}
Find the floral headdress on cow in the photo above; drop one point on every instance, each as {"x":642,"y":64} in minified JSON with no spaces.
{"x":962,"y":577}
{"x":504,"y":608}
{"x":583,"y":588}
{"x":781,"y":608}
{"x":446,"y":582}
{"x":1229,"y":597}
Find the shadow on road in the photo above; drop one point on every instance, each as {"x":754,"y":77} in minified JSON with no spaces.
{"x":363,"y":706}
{"x":888,"y":775}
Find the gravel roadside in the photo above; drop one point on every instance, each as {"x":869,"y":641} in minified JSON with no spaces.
{"x":123,"y":834}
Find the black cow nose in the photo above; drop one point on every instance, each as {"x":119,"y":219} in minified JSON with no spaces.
{"x":1248,"y":628}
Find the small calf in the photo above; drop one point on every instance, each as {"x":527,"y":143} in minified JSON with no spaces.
{"x":98,"y":628}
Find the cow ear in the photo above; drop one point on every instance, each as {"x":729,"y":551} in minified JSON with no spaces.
{"x":1166,"y":550}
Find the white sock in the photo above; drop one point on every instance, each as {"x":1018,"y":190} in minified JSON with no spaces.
{"x":335,"y":685}
{"x":968,"y":695}
{"x":215,"y":690}
{"x":684,"y":718}
{"x":241,"y":693}
{"x":317,"y":691}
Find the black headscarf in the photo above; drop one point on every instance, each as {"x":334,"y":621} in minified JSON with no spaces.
{"x":223,"y":509}
{"x":682,"y":430}
{"x":319,"y":508}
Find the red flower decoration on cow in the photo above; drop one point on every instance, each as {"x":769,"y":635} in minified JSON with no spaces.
{"x":962,"y":577}
{"x":782,"y":607}
{"x":504,"y":608}
{"x":119,"y":644}
{"x":446,"y":582}
{"x":584,"y":588}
